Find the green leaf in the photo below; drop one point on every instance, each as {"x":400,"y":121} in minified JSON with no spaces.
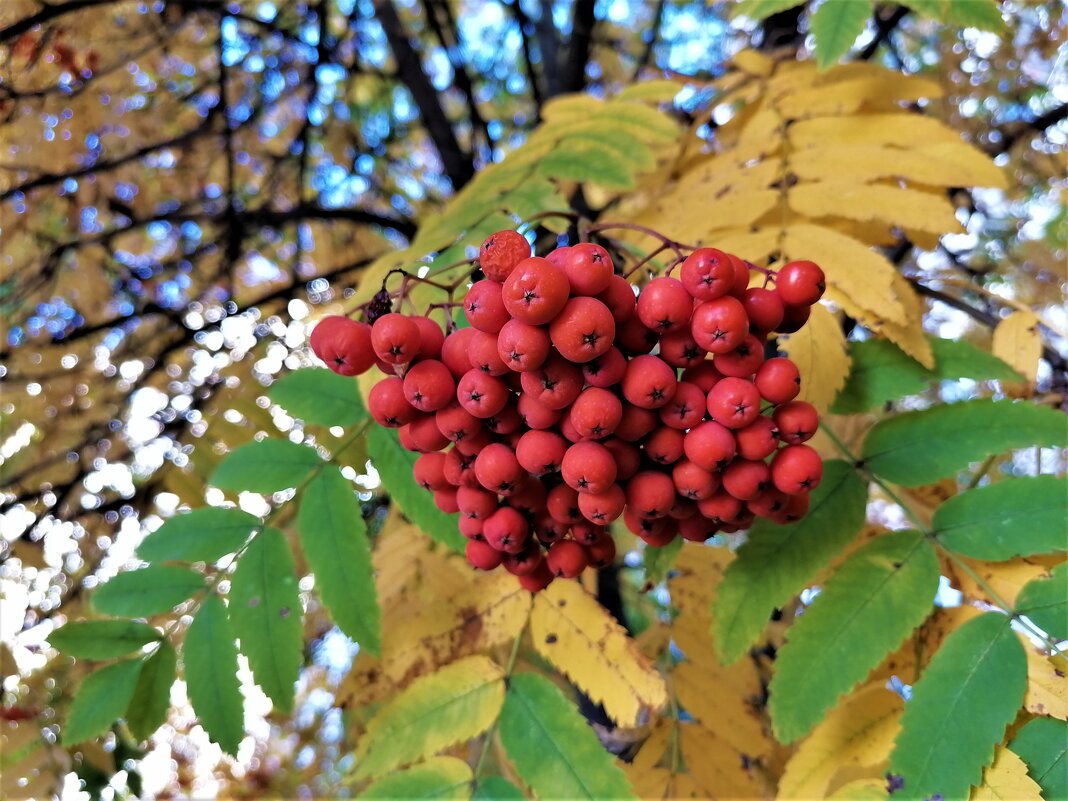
{"x":932,"y":9}
{"x":776,"y":562}
{"x":959,"y":709}
{"x":658,"y":561}
{"x":100,"y":701}
{"x":760,"y":10}
{"x":1045,"y":601}
{"x":210,"y":660}
{"x":102,"y":639}
{"x":152,"y":696}
{"x":881,"y":372}
{"x":266,"y":616}
{"x":917,"y":448}
{"x":586,"y":163}
{"x":457,"y":703}
{"x":265,"y":467}
{"x":982,"y":14}
{"x":552,"y":747}
{"x":1016,"y":517}
{"x":320,"y":396}
{"x":395,"y":465}
{"x":865,"y":611}
{"x":836,"y":25}
{"x":202,"y":535}
{"x":440,"y":777}
{"x":148,"y":591}
{"x":334,"y":540}
{"x":497,"y":788}
{"x":1043,"y":746}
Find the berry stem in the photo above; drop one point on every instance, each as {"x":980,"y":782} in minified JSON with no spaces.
{"x":678,"y":247}
{"x":958,"y":561}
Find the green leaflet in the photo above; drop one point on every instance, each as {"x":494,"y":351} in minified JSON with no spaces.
{"x":267,"y":466}
{"x":881,"y":372}
{"x":553,"y":749}
{"x":658,"y":561}
{"x":1045,"y":601}
{"x":102,"y":639}
{"x":100,"y":701}
{"x":959,"y":709}
{"x":497,"y":788}
{"x":145,"y":592}
{"x":836,"y":25}
{"x":334,"y":540}
{"x":866,"y":609}
{"x":1016,"y":517}
{"x":457,"y":703}
{"x":587,"y":163}
{"x":152,"y":696}
{"x":395,"y":465}
{"x":265,"y":613}
{"x":1043,"y":746}
{"x":320,"y":396}
{"x":202,"y":535}
{"x":441,"y":777}
{"x":982,"y":14}
{"x":917,"y":448}
{"x":210,"y":661}
{"x":776,"y":561}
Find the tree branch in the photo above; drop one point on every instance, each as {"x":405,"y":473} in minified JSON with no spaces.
{"x":583,"y":20}
{"x":646,"y":58}
{"x":522,"y":22}
{"x":1026,"y":129}
{"x":884,"y":28}
{"x":549,"y":46}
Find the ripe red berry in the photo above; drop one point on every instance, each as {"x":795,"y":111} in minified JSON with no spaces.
{"x":745,"y":479}
{"x":619,"y":297}
{"x":537,"y":581}
{"x":664,"y":305}
{"x":697,"y":528}
{"x":429,"y":386}
{"x":501,"y":252}
{"x":584,"y":330}
{"x":470,"y":528}
{"x":595,"y":413}
{"x":524,"y":563}
{"x":769,"y":503}
{"x":535,"y":414}
{"x":562,"y":504}
{"x":606,"y":370}
{"x":540,"y":452}
{"x":459,"y":469}
{"x":475,"y":502}
{"x":498,"y":470}
{"x":693,"y":481}
{"x":588,"y":267}
{"x":548,"y":530}
{"x":793,"y":318}
{"x":445,"y":500}
{"x":744,"y":360}
{"x":734,"y":402}
{"x":588,"y":467}
{"x":474,"y":445}
{"x":633,"y":338}
{"x":506,"y":530}
{"x":686,"y":407}
{"x":429,"y":471}
{"x":777,"y":380}
{"x":651,"y":494}
{"x":387,"y":404}
{"x":555,"y":384}
{"x":484,"y":306}
{"x":454,"y":351}
{"x":796,"y":468}
{"x":719,"y":325}
{"x":741,"y":276}
{"x":602,"y":507}
{"x":425,"y":434}
{"x":456,"y":423}
{"x":665,"y":445}
{"x":522,"y":346}
{"x":720,"y":507}
{"x":482,"y":556}
{"x":705,"y":375}
{"x":535,"y":291}
{"x":709,"y":445}
{"x":758,"y":440}
{"x":481,"y":394}
{"x":800,"y":283}
{"x":566,"y":559}
{"x":558,"y":256}
{"x":482,"y":353}
{"x":529,"y":498}
{"x":679,"y":349}
{"x":797,"y":421}
{"x":649,"y":382}
{"x":601,"y":553}
{"x":431,"y":337}
{"x":707,"y":273}
{"x":395,"y":338}
{"x":764,"y":308}
{"x":344,"y":344}
{"x":635,"y":423}
{"x":506,"y":421}
{"x":628,"y":457}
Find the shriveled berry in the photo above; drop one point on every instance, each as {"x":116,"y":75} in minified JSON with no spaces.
{"x":501,"y":252}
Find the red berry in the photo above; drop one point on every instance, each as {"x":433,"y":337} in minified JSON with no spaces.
{"x":777,"y":380}
{"x":562,"y":504}
{"x":697,"y":528}
{"x":686,"y":407}
{"x":764,"y":308}
{"x":459,"y":469}
{"x":445,"y":499}
{"x":481,"y":394}
{"x":633,"y":338}
{"x":535,"y":291}
{"x":665,"y":445}
{"x":529,"y":498}
{"x":506,"y":421}
{"x":429,"y":471}
{"x":649,"y":382}
{"x":536,"y":414}
{"x":800,"y":283}
{"x":796,"y":507}
{"x":429,"y":386}
{"x":650,"y":494}
{"x":745,"y":479}
{"x":558,"y":256}
{"x":506,"y":530}
{"x":476,"y":503}
{"x":794,"y":317}
{"x":619,"y":298}
{"x":548,"y":530}
{"x":796,"y":468}
{"x":602,"y":507}
{"x":566,"y":559}
{"x":387,"y":404}
{"x":344,"y":344}
{"x":583,"y":330}
{"x":719,"y":325}
{"x":643,"y":527}
{"x":473,"y":445}
{"x":596,"y":413}
{"x":537,"y":581}
{"x":521,"y":346}
{"x":425,"y":434}
{"x":635,"y":423}
{"x":456,"y":423}
{"x":431,"y":337}
{"x":482,"y":353}
{"x":555,"y":384}
{"x":693,"y":481}
{"x":741,"y":276}
{"x":758,"y":440}
{"x":395,"y":338}
{"x":628,"y":457}
{"x":588,"y":267}
{"x":769,"y":503}
{"x":797,"y":421}
{"x":501,"y":252}
{"x":709,"y":445}
{"x":744,"y":360}
{"x":707,"y":273}
{"x":588,"y":467}
{"x":705,"y":375}
{"x":606,"y":370}
{"x":524,"y":563}
{"x":482,"y":556}
{"x":454,"y":351}
{"x":601,"y":553}
{"x":470,"y":528}
{"x":540,"y":452}
{"x":720,"y":507}
{"x":484,"y":306}
{"x":664,"y":305}
{"x":734,"y":402}
{"x":679,"y":349}
{"x":498,"y":470}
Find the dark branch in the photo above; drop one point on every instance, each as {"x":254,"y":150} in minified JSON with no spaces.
{"x":885,"y":24}
{"x":522,"y":22}
{"x":583,"y":20}
{"x":549,"y":47}
{"x":646,"y":58}
{"x":1031,"y":128}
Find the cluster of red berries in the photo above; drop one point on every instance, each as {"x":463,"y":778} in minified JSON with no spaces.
{"x":550,"y":416}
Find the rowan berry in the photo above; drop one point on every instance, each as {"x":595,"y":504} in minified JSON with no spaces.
{"x":649,"y":382}
{"x":719,"y":325}
{"x":602,"y":507}
{"x":566,"y":559}
{"x":601,"y":553}
{"x":778,"y":380}
{"x":633,"y":338}
{"x":627,"y":456}
{"x":741,"y":276}
{"x":800,"y":283}
{"x":704,"y":375}
{"x":793,"y":319}
{"x":679,"y":349}
{"x":709,"y":445}
{"x":529,"y":498}
{"x":459,"y":469}
{"x":584,"y":330}
{"x":606,"y":370}
{"x":707,"y":273}
{"x":431,"y":337}
{"x":764,"y":308}
{"x":482,"y":353}
{"x":506,"y":421}
{"x":429,"y":471}
{"x":686,"y":407}
{"x":588,"y":267}
{"x":555,"y":384}
{"x":797,"y":421}
{"x":481,"y":394}
{"x":745,"y":479}
{"x":456,"y":423}
{"x":506,"y":530}
{"x":595,"y":413}
{"x":665,"y":445}
{"x":537,"y":581}
{"x":562,"y":504}
{"x":720,"y":507}
{"x":482,"y":556}
{"x":588,"y":467}
{"x":484,"y":307}
{"x":455,"y":351}
{"x":693,"y":481}
{"x":344,"y":344}
{"x":586,"y":532}
{"x":470,"y":528}
{"x":635,"y":423}
{"x":387,"y":404}
{"x":619,"y":297}
{"x":540,"y":452}
{"x":664,"y":305}
{"x":744,"y":360}
{"x":522,"y":346}
{"x":501,"y":252}
{"x":429,"y":386}
{"x":395,"y":338}
{"x":796,"y":468}
{"x":698,"y":528}
{"x":475,"y":502}
{"x":425,"y":434}
{"x":524,"y":563}
{"x":535,"y":291}
{"x":650,"y":494}
{"x":758,"y":440}
{"x":445,"y":500}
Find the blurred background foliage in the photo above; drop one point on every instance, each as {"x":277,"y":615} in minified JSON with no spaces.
{"x":184,"y":182}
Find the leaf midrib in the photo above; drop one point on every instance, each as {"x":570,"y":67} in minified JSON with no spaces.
{"x":548,"y":736}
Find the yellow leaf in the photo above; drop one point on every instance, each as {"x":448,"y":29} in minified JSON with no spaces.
{"x":909,"y":336}
{"x":659,"y":91}
{"x":457,"y":703}
{"x":819,"y":351}
{"x":1006,"y":779}
{"x":1018,"y":343}
{"x":964,"y":166}
{"x":861,"y":790}
{"x":720,"y":698}
{"x":852,"y":269}
{"x":899,"y":130}
{"x":846,"y":97}
{"x":765,"y":127}
{"x":715,"y":766}
{"x":972,"y":165}
{"x":581,"y":639}
{"x":845,"y":197}
{"x":1047,"y":684}
{"x":858,"y":733}
{"x":753,"y":63}
{"x":1006,"y":578}
{"x":571,"y":107}
{"x":695,"y":218}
